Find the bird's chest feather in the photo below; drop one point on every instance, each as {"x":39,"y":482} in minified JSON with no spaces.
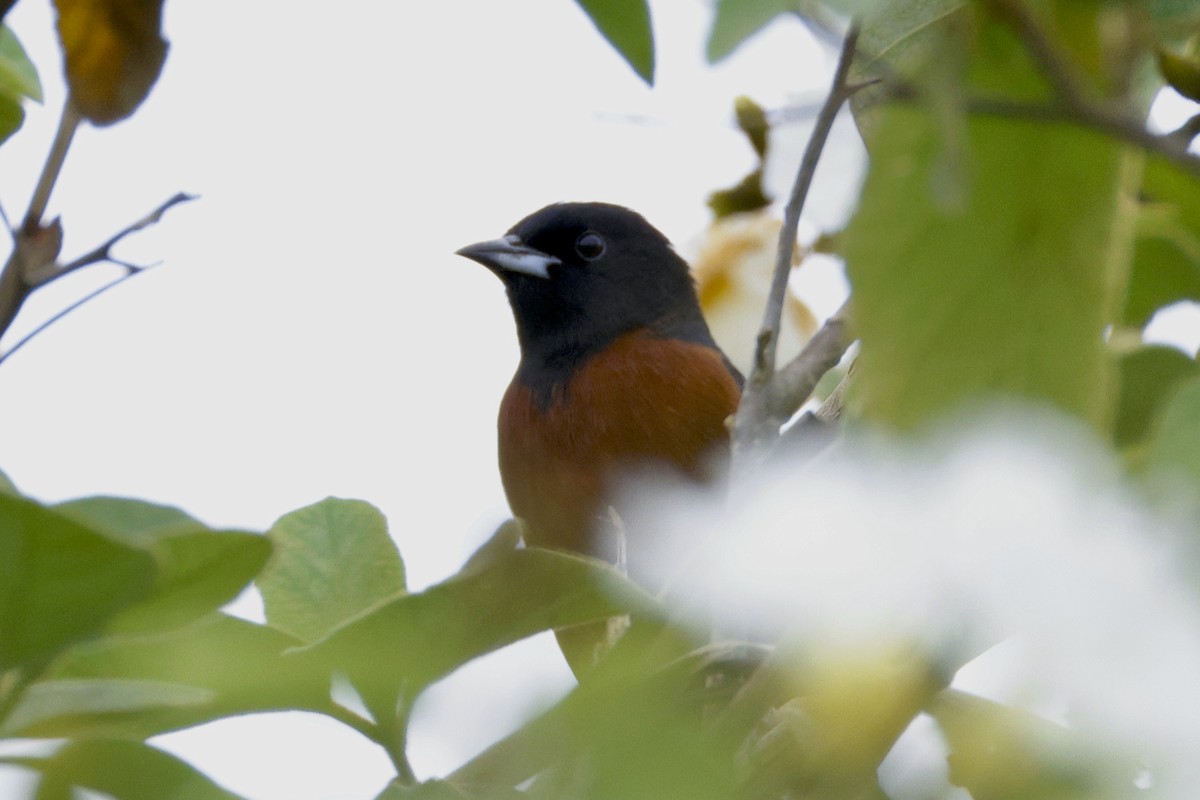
{"x":642,"y":401}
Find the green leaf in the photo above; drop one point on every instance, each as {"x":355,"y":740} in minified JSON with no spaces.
{"x":1176,"y":445}
{"x":134,"y":521}
{"x":910,"y":39}
{"x":333,"y":560}
{"x":1003,"y":753}
{"x":18,"y":76}
{"x":429,"y":790}
{"x":737,"y":20}
{"x":890,"y":28}
{"x":1149,"y":377}
{"x":976,"y":273}
{"x":11,"y":117}
{"x":626,"y":26}
{"x":127,"y":771}
{"x":199,"y":569}
{"x":401,"y":647}
{"x":7,"y":486}
{"x":60,"y":581}
{"x":238,"y":664}
{"x":1166,"y":256}
{"x":62,"y":708}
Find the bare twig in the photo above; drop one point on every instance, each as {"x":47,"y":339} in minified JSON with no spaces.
{"x":754,"y":422}
{"x":130,"y":271}
{"x":764,"y":357}
{"x":50,"y":272}
{"x":795,"y":382}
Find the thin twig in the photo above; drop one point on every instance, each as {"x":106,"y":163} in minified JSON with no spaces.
{"x":52,"y":272}
{"x":1100,"y":119}
{"x":130,"y":271}
{"x":754,"y":421}
{"x":795,"y":382}
{"x":764,"y":357}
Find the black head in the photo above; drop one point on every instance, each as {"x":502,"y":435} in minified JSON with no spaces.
{"x":579,"y":275}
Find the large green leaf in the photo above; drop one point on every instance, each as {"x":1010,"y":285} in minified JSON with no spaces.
{"x":238,"y":666}
{"x":59,"y":708}
{"x":199,"y":569}
{"x":60,"y":581}
{"x":397,"y":649}
{"x":124,"y":770}
{"x":333,"y":560}
{"x":626,"y":26}
{"x":987,"y":254}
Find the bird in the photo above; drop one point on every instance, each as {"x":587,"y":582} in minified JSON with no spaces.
{"x":618,"y":370}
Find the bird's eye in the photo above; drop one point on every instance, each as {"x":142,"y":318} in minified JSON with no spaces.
{"x":589,"y":246}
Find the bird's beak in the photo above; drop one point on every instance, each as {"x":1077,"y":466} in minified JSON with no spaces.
{"x":510,"y":254}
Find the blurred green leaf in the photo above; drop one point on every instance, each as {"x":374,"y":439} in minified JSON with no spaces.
{"x":736,"y":21}
{"x":973,"y":275}
{"x":199,"y":569}
{"x":1176,"y":445}
{"x":127,"y":771}
{"x":1174,"y":19}
{"x":1003,"y":753}
{"x":1149,"y":376}
{"x":644,"y":724}
{"x":7,"y":486}
{"x":890,"y":27}
{"x":626,"y":26}
{"x":503,"y":541}
{"x":134,"y":521}
{"x":428,"y":790}
{"x":11,"y":117}
{"x":18,"y":76}
{"x":238,"y":664}
{"x":1166,"y":258}
{"x":910,"y":39}
{"x":60,"y":581}
{"x":333,"y":560}
{"x":64,"y":708}
{"x":399,"y":648}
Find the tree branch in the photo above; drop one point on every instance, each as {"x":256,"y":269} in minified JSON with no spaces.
{"x":1173,"y":146}
{"x":755,"y":422}
{"x":131,"y":270}
{"x":794,"y":384}
{"x":47,"y":273}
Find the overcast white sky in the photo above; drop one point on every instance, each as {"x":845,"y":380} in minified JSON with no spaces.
{"x":310,"y":331}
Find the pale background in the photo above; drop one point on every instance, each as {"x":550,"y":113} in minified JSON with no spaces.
{"x":310,"y":331}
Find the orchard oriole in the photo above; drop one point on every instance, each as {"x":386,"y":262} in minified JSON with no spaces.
{"x":618,"y":369}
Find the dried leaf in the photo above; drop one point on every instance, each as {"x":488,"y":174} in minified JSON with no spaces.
{"x":113,"y":53}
